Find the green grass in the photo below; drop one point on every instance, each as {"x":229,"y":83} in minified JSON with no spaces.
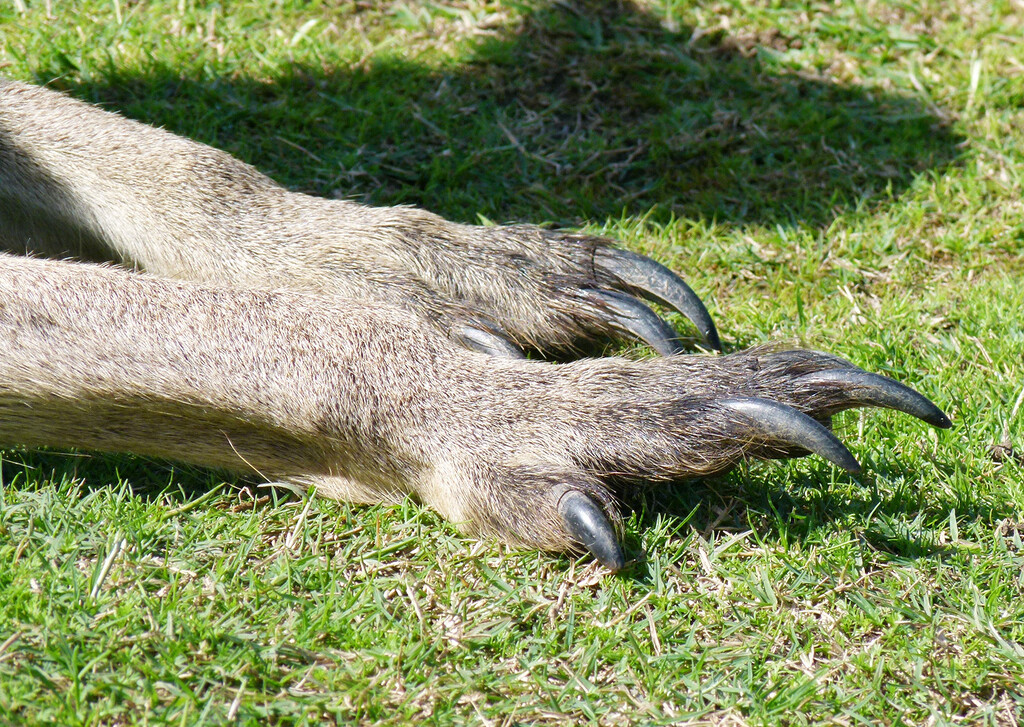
{"x":846,"y":175}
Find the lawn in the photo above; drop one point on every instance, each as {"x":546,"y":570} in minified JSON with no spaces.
{"x":843,"y":175}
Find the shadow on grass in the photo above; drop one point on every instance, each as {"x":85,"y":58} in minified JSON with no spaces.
{"x":584,"y":111}
{"x":899,"y":519}
{"x":149,"y":478}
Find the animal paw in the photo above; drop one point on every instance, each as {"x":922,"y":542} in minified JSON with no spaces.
{"x":551,"y":481}
{"x":557,"y":292}
{"x":495,"y":289}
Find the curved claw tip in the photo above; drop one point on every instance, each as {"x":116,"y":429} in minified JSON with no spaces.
{"x":788,"y":426}
{"x":712,"y":340}
{"x":653,"y":280}
{"x":865,"y":388}
{"x":590,"y":527}
{"x":632,"y":316}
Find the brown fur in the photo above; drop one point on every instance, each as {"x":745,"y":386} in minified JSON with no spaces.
{"x":305,"y":339}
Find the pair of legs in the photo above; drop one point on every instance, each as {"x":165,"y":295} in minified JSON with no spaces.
{"x":368,"y":352}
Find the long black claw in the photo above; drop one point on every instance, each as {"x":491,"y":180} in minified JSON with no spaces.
{"x":485,"y":341}
{"x":861,"y":388}
{"x":652,"y":279}
{"x":786,"y":426}
{"x":588,"y":524}
{"x":634,"y":317}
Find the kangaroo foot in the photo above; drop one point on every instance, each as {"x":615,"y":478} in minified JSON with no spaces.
{"x":549,"y":291}
{"x":612,"y":420}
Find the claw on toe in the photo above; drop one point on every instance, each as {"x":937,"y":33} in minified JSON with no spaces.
{"x":479,"y":338}
{"x":632,"y":316}
{"x":590,"y":527}
{"x":651,"y":279}
{"x":787,"y":426}
{"x":861,"y":388}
